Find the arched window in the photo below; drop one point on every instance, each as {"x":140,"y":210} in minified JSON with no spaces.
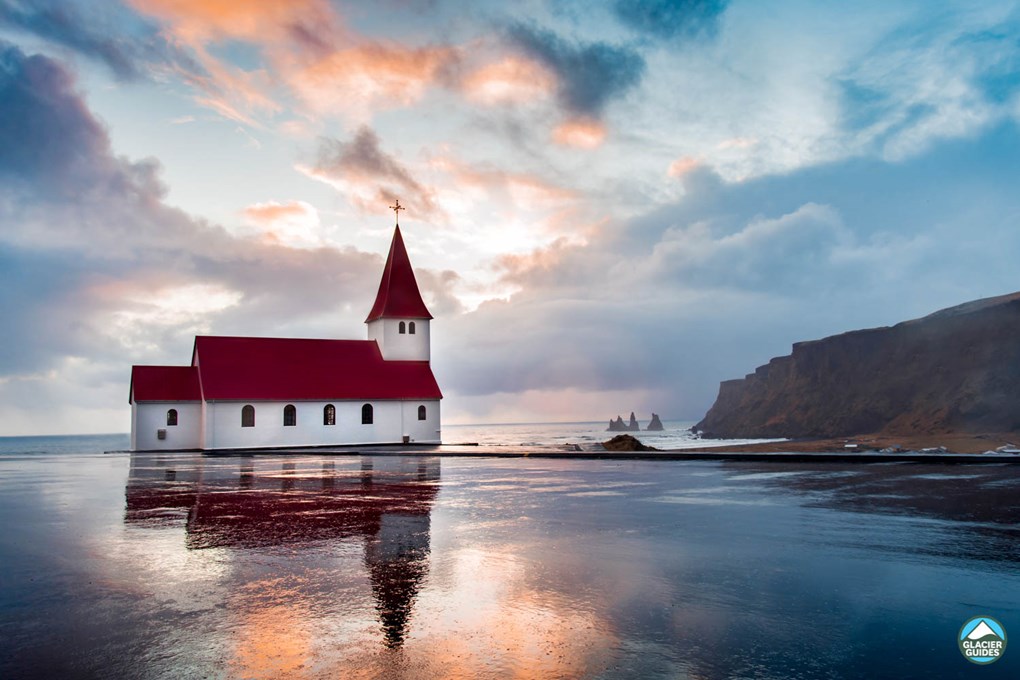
{"x":421,"y":412}
{"x":366,"y":414}
{"x":403,"y":327}
{"x":329,"y":415}
{"x":410,"y":328}
{"x":171,"y":417}
{"x":289,"y":415}
{"x":248,"y":416}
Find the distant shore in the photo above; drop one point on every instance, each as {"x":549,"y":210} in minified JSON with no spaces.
{"x":954,"y":443}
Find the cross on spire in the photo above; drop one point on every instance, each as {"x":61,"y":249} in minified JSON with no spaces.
{"x":396,"y":208}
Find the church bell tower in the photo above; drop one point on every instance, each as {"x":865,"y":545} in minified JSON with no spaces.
{"x":399,"y":320}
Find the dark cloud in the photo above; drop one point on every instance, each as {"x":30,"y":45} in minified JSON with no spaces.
{"x":372,"y":176}
{"x":90,"y":250}
{"x":590,"y":74}
{"x":668,"y":19}
{"x":48,"y":139}
{"x":129,"y":46}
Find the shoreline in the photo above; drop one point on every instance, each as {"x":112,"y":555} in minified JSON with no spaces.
{"x":780,"y":452}
{"x":955,"y":443}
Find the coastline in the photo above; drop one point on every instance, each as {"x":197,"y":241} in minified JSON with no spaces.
{"x":958,"y":443}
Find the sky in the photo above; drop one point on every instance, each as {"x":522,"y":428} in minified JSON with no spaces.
{"x":611,"y":206}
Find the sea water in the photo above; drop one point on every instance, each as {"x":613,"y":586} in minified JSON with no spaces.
{"x":676,"y":434}
{"x":178,"y":565}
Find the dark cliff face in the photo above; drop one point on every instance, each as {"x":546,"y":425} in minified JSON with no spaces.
{"x":957,"y":370}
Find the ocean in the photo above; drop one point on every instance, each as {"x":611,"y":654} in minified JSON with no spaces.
{"x":676,"y":434}
{"x":189,"y":565}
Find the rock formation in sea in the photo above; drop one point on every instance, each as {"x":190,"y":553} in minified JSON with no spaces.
{"x":619,"y":426}
{"x":957,"y":370}
{"x":626,"y":442}
{"x":655,"y":425}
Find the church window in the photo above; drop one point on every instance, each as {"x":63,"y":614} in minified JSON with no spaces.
{"x":410,"y":328}
{"x":403,"y":327}
{"x":421,"y":412}
{"x":248,"y":416}
{"x":171,"y":417}
{"x":366,"y":414}
{"x":329,"y":415}
{"x":289,"y":415}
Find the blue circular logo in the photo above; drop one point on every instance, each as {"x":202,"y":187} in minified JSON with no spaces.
{"x":982,"y":640}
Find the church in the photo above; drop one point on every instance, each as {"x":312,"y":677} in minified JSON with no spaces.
{"x":249,"y":393}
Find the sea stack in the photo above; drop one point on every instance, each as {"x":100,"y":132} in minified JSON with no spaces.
{"x":617,"y":425}
{"x":655,"y":425}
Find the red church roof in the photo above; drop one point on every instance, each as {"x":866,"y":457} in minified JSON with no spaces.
{"x":164,"y":383}
{"x":398,"y":294}
{"x":285,"y":369}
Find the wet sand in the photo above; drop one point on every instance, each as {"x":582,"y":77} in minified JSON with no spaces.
{"x":308,"y":565}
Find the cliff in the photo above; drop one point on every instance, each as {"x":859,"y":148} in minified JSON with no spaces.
{"x":957,"y":370}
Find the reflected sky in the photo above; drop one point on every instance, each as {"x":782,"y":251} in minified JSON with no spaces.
{"x":265,"y":566}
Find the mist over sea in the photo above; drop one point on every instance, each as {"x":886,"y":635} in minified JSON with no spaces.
{"x":314,"y":565}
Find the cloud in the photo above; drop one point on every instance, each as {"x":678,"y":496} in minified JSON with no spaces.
{"x":37,"y":99}
{"x":292,"y":224}
{"x":511,"y":79}
{"x":369,"y":177}
{"x":131,"y":53}
{"x":590,"y":75}
{"x":307,"y":51}
{"x":199,"y":21}
{"x":363,"y":79}
{"x":664,"y":306}
{"x":98,"y":269}
{"x":669,"y":19}
{"x":583,"y":133}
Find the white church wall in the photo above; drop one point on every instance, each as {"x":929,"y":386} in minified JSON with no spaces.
{"x":397,"y":346}
{"x":391,"y":421}
{"x":149,"y":417}
{"x":427,"y":430}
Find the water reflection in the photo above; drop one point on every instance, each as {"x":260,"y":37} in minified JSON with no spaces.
{"x":247,"y":503}
{"x":972,"y":509}
{"x":377,"y":567}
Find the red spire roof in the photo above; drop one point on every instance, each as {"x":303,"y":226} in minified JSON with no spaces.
{"x":398,"y":294}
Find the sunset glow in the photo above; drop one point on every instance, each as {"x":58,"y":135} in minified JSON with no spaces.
{"x":601,"y":201}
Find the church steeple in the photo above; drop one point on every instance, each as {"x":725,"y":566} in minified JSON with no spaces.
{"x":398,"y":295}
{"x":399,"y":320}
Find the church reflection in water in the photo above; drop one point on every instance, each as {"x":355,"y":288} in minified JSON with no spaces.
{"x":260,"y":502}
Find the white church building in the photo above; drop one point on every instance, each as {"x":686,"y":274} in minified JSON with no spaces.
{"x":247,"y":393}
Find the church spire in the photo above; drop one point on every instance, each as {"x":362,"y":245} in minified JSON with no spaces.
{"x":398,"y":295}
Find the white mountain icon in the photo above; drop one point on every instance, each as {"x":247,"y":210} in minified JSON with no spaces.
{"x":980,"y":631}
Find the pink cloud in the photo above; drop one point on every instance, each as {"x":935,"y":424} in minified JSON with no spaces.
{"x":510,"y":80}
{"x":200,"y":21}
{"x":683,"y":165}
{"x":582,"y":133}
{"x":291,"y":224}
{"x":367,"y":78}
